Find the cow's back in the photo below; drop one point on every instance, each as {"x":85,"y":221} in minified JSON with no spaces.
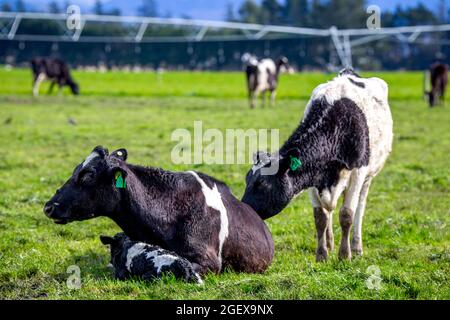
{"x":249,"y":246}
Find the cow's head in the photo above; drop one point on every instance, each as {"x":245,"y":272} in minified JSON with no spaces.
{"x":94,"y":189}
{"x":431,"y":97}
{"x":282,"y":62}
{"x":268,"y":192}
{"x":117,"y":246}
{"x":74,"y":88}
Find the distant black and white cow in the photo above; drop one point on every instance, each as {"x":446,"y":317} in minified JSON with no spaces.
{"x":438,"y":73}
{"x":189,"y":213}
{"x":133,"y":258}
{"x":262,"y":76}
{"x":54,"y":70}
{"x":342,"y":142}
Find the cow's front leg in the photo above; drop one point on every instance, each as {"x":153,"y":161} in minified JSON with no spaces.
{"x":263,"y":98}
{"x":330,"y":235}
{"x":346,"y":221}
{"x":321,"y":217}
{"x":37,"y":83}
{"x":357,"y":247}
{"x":50,"y":89}
{"x":251,"y":99}
{"x":273,"y":94}
{"x":347,"y":212}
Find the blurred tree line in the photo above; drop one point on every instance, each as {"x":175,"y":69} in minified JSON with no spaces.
{"x":303,"y":52}
{"x":343,"y":14}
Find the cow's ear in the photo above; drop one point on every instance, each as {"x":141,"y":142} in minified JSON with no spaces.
{"x":119,"y":176}
{"x":291,"y":160}
{"x":121,"y":154}
{"x":102,"y":152}
{"x":107,"y":240}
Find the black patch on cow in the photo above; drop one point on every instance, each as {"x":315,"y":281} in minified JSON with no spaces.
{"x":251,"y":72}
{"x":330,"y":138}
{"x":357,"y":83}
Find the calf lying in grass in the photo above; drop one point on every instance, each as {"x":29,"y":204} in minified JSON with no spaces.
{"x":133,"y":258}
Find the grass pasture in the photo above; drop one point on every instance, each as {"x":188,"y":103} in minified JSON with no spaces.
{"x":406,"y":229}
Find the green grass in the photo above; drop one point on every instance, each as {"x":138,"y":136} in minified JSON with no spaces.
{"x":406,"y":229}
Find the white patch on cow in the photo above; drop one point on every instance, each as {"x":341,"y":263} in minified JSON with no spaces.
{"x":265,"y":66}
{"x":199,"y":279}
{"x":92,"y":156}
{"x":328,"y":198}
{"x":353,"y":191}
{"x":161,"y":260}
{"x":134,"y":251}
{"x":214,"y":200}
{"x":40,"y":78}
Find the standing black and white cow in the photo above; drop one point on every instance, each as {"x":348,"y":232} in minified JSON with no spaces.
{"x":262,"y":76}
{"x":189,"y":213}
{"x":342,"y":142}
{"x":54,"y":70}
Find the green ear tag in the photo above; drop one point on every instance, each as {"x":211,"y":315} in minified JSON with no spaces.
{"x":295,"y":163}
{"x":120,"y":181}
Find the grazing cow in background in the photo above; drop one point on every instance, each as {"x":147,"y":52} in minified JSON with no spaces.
{"x":54,"y":70}
{"x":262,"y":76}
{"x":438,"y":74}
{"x":132,"y":258}
{"x":342,"y":142}
{"x":189,"y":213}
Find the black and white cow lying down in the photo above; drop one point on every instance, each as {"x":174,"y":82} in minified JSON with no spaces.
{"x":189,"y":213}
{"x":342,"y":142}
{"x":54,"y":70}
{"x":133,"y":258}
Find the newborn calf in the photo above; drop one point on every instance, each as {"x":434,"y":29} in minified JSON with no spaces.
{"x":132,"y":258}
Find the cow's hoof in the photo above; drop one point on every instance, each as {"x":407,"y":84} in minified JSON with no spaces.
{"x":321,"y":255}
{"x":357,"y":247}
{"x":345,"y":254}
